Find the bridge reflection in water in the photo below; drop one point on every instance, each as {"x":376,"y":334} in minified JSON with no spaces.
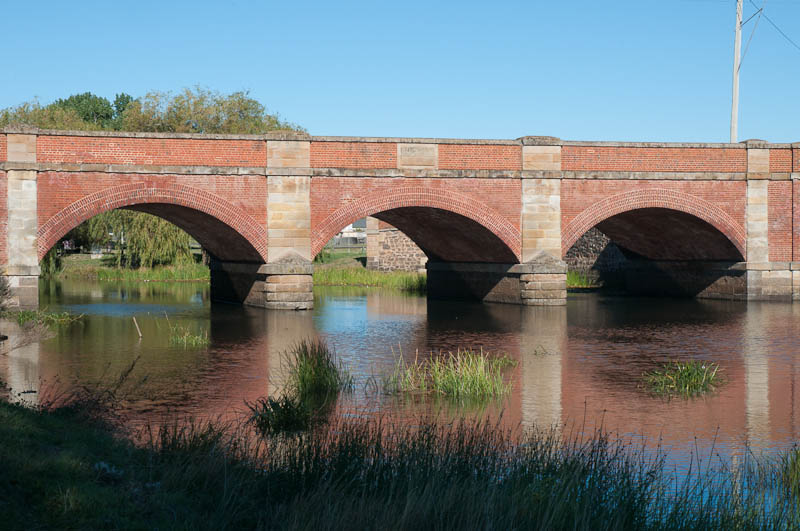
{"x":579,"y":366}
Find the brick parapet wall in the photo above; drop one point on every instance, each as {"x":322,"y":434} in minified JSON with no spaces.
{"x":3,"y":148}
{"x":601,"y":158}
{"x":167,"y":151}
{"x":73,"y":147}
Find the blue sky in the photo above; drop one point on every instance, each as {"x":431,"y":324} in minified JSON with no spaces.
{"x":638,"y":70}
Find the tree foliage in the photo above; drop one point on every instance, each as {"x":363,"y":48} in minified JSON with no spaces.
{"x":145,"y":240}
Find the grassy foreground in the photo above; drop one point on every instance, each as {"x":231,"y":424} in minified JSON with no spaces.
{"x":62,"y":470}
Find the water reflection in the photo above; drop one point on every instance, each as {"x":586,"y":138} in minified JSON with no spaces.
{"x":579,"y":366}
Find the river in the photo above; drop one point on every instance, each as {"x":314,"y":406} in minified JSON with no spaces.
{"x":579,"y":367}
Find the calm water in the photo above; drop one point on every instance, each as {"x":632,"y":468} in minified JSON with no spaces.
{"x":579,"y":366}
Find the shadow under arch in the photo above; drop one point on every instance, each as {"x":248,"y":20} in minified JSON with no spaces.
{"x":662,"y":224}
{"x":447,"y":227}
{"x":219,"y":226}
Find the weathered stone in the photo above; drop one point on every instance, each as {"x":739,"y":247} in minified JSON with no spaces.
{"x":290,"y":297}
{"x":290,"y":279}
{"x":286,"y":287}
{"x":278,"y":305}
{"x":417,"y":155}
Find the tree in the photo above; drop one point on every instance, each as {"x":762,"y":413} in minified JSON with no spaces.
{"x":148,"y":240}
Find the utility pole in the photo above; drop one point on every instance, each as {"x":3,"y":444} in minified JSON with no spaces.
{"x":736,"y":61}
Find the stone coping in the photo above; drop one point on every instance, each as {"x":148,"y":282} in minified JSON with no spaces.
{"x":301,"y":136}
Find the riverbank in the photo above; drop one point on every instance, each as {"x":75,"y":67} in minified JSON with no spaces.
{"x":83,"y":266}
{"x":62,"y":468}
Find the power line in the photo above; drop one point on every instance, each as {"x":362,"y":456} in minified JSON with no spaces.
{"x":778,"y":29}
{"x":760,"y":12}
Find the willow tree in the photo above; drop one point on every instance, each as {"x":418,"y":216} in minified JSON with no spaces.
{"x":146,"y":240}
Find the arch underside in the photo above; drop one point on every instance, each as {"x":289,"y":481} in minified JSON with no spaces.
{"x":665,"y":234}
{"x":219,"y":226}
{"x":220,"y":240}
{"x":448,"y":237}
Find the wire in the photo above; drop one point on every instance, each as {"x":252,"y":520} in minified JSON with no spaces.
{"x":778,"y":29}
{"x":760,"y":12}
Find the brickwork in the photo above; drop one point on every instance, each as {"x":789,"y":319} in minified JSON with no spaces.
{"x":780,"y":160}
{"x":509,"y":203}
{"x":3,"y":219}
{"x":796,"y":221}
{"x":779,"y":214}
{"x":353,"y":155}
{"x":167,"y":151}
{"x":337,"y":202}
{"x":585,"y":203}
{"x":480,"y":157}
{"x":67,"y":199}
{"x":602,"y":158}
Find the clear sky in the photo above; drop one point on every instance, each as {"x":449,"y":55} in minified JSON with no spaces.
{"x":626,"y":70}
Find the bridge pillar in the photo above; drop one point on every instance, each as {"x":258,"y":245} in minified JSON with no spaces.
{"x":288,"y":273}
{"x":22,"y":267}
{"x":767,"y":279}
{"x":544,"y":279}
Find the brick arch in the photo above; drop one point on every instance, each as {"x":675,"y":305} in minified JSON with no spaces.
{"x":649,"y":199}
{"x":215,"y":212}
{"x":413,"y":197}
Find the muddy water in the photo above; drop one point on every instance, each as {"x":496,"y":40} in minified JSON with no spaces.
{"x":579,"y":367}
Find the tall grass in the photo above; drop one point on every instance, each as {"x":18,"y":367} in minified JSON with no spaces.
{"x":314,"y":370}
{"x":684,"y":378}
{"x":464,"y":374}
{"x":580,"y":279}
{"x":41,"y":317}
{"x":358,"y":276}
{"x":183,"y":336}
{"x":314,"y":378}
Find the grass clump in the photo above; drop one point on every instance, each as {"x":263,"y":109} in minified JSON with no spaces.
{"x":42,"y":317}
{"x":465,"y":374}
{"x":315,"y":371}
{"x":580,"y":279}
{"x":686,"y":379}
{"x":358,"y":276}
{"x":182,"y":336}
{"x":284,"y":414}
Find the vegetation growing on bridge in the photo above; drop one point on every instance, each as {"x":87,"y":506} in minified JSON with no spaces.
{"x":141,"y":239}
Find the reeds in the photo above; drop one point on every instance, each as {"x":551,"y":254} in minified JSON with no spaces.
{"x":42,"y":317}
{"x":183,"y":336}
{"x":465,"y":374}
{"x":580,"y":279}
{"x":314,"y":378}
{"x":685,"y":379}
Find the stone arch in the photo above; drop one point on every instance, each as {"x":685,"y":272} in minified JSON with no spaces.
{"x":476,"y":213}
{"x":198,"y":212}
{"x":655,"y":198}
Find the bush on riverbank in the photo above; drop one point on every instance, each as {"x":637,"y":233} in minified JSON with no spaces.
{"x":61,"y":472}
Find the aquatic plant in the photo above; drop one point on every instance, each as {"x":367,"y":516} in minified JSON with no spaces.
{"x":313,"y":371}
{"x":181,"y":335}
{"x":278,"y":415}
{"x":684,"y":378}
{"x":358,"y":276}
{"x":465,"y":374}
{"x":42,"y":317}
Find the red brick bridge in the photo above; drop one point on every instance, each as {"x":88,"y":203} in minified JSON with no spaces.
{"x":495,"y":217}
